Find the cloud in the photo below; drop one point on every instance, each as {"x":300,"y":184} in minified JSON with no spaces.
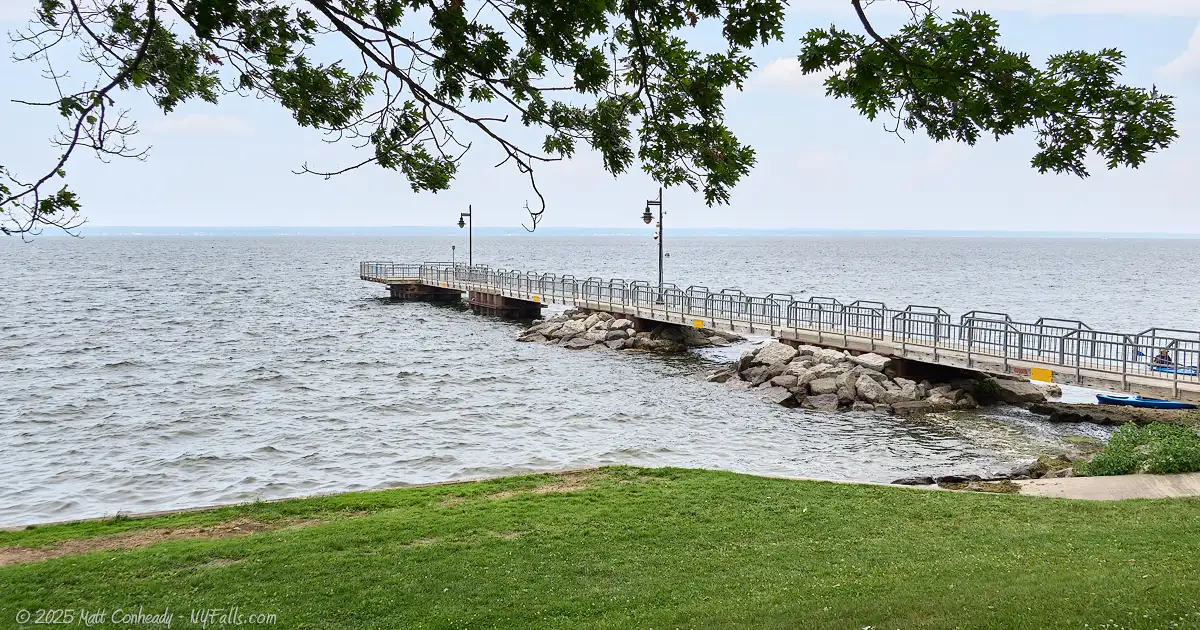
{"x":1185,"y":67}
{"x":205,"y":125}
{"x":784,"y":75}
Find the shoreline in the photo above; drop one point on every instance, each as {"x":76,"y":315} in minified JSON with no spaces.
{"x":1119,"y":488}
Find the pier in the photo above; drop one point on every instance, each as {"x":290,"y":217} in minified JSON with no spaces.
{"x":1053,"y":350}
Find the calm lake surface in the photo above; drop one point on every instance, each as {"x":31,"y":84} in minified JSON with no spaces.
{"x":144,"y":373}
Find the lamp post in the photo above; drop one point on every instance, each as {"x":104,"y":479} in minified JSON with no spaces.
{"x":470,"y":235}
{"x":658,"y":236}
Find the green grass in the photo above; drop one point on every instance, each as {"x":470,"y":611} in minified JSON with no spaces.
{"x":637,"y":548}
{"x":1155,"y":448}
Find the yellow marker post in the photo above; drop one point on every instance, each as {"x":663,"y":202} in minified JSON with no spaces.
{"x":1041,"y":374}
{"x":537,"y":299}
{"x":697,"y":323}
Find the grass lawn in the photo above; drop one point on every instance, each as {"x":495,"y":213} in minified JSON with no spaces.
{"x":631,"y":548}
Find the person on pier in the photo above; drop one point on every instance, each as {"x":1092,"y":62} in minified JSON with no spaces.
{"x":1163,"y":358}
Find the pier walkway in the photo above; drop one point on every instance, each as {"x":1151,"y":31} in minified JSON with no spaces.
{"x":1062,"y":351}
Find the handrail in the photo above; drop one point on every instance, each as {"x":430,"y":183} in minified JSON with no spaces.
{"x":1060,"y":342}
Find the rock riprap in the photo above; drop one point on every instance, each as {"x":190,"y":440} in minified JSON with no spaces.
{"x":579,"y":329}
{"x":823,"y":378}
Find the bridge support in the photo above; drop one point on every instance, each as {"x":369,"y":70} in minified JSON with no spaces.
{"x":503,"y":306}
{"x":423,"y":293}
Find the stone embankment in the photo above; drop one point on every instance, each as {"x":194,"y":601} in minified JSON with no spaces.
{"x":1113,"y":415}
{"x":1044,"y":467}
{"x":579,"y":329}
{"x":822,"y":378}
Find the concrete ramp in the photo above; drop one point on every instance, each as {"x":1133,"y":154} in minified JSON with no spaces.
{"x":1115,"y":488}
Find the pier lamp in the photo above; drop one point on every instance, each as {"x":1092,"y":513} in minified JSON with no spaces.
{"x":658,"y":236}
{"x":470,"y":235}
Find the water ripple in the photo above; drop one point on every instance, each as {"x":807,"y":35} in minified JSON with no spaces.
{"x":192,"y":371}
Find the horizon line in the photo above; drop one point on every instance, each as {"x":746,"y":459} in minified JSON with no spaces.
{"x":638,"y":230}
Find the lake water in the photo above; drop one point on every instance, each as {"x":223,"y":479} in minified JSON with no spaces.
{"x":151,"y":373}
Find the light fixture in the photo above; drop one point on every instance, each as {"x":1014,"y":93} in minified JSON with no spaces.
{"x":646,"y":216}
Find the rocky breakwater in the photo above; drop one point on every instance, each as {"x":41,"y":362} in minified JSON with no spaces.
{"x":580,"y":329}
{"x":823,"y":378}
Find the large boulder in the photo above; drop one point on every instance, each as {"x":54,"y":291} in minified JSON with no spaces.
{"x":779,"y":396}
{"x":550,"y":329}
{"x":786,"y":381}
{"x":846,"y":390}
{"x":798,"y":366}
{"x":620,"y":324}
{"x":807,"y":351}
{"x":823,"y":386}
{"x":616,"y":344}
{"x":871,"y":361}
{"x":591,"y":320}
{"x":533,"y":337}
{"x":579,"y":343}
{"x":803,"y":378}
{"x":943,"y":400}
{"x":774,"y":352}
{"x":879,"y":377}
{"x":913,"y":408}
{"x":596,"y":334}
{"x":825,"y":370}
{"x":721,"y":375}
{"x":745,"y":362}
{"x":538,"y":327}
{"x":914,"y":481}
{"x":751,"y":375}
{"x":905,"y":394}
{"x":826,"y":402}
{"x":613,"y":335}
{"x":664,"y":345}
{"x":569,"y":328}
{"x":773,"y":370}
{"x":848,"y":377}
{"x":825,"y":355}
{"x":845,"y":394}
{"x":869,"y":389}
{"x":1017,"y":392}
{"x":908,"y":389}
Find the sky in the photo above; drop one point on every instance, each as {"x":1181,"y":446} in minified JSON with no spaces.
{"x":820,"y":164}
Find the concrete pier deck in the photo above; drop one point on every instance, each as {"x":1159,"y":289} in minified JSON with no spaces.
{"x":1052,"y":350}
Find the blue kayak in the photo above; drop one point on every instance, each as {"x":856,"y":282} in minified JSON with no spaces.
{"x":1185,"y":371}
{"x":1138,"y":401}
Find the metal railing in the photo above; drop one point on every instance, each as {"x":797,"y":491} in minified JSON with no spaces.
{"x":1062,"y":343}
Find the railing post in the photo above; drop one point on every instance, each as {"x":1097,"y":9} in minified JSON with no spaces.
{"x":937,"y":334}
{"x":1079,"y":372}
{"x":1124,"y":363}
{"x":970,"y":341}
{"x":1005,"y":333}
